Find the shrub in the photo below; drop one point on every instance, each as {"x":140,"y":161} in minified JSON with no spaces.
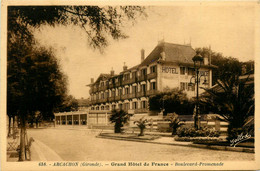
{"x":192,"y":132}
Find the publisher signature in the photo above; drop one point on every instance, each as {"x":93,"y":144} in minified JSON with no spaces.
{"x":239,"y":139}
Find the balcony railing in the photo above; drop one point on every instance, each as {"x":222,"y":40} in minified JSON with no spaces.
{"x":151,"y":92}
{"x":141,"y":94}
{"x":141,"y":110}
{"x":152,"y":75}
{"x":129,"y":81}
{"x":142,"y":78}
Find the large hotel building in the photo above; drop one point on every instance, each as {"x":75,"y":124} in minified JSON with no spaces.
{"x":168,"y":65}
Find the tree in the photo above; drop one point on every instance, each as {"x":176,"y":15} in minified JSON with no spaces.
{"x":175,"y":123}
{"x":226,"y":65}
{"x":119,"y":117}
{"x":33,"y":75}
{"x":234,"y":100}
{"x":142,"y":123}
{"x":69,"y":104}
{"x":34,"y":83}
{"x":171,"y":100}
{"x":98,"y":22}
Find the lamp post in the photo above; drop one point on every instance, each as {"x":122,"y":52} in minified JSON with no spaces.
{"x":198,"y":60}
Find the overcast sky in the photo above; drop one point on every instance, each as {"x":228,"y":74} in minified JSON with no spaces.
{"x":228,"y":29}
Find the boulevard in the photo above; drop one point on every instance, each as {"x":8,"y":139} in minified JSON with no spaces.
{"x":83,"y":145}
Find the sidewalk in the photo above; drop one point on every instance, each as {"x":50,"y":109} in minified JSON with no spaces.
{"x":39,"y":152}
{"x":169,"y":140}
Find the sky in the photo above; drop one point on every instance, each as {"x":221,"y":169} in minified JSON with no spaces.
{"x":227,"y":29}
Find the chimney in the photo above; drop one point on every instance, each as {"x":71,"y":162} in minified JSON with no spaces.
{"x":91,"y":80}
{"x":206,"y":59}
{"x":243,"y":69}
{"x":209,"y":55}
{"x":124,"y":67}
{"x":142,"y":55}
{"x":112,"y":72}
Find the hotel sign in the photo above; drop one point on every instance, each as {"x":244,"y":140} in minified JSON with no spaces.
{"x":170,"y":70}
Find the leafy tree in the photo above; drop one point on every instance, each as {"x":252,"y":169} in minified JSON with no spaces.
{"x":69,"y":104}
{"x":34,"y":80}
{"x":98,"y":22}
{"x":171,"y":100}
{"x":119,"y":117}
{"x":142,"y":123}
{"x":226,"y":65}
{"x":34,"y":83}
{"x":234,"y":100}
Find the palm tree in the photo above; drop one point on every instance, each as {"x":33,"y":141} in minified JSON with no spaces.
{"x":234,"y":100}
{"x":175,"y":123}
{"x":119,"y":117}
{"x":142,"y":123}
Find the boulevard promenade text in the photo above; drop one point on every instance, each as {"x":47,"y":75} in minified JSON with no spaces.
{"x":129,"y":164}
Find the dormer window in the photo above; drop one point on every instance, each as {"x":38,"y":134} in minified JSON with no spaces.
{"x":153,"y":69}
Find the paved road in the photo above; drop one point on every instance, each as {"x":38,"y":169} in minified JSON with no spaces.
{"x":82,"y":145}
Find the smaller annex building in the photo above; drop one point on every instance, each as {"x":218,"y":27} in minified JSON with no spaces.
{"x":168,"y":65}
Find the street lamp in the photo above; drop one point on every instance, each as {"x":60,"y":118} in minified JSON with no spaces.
{"x":198,"y":60}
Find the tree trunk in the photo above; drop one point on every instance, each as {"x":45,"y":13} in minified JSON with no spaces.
{"x":9,"y":126}
{"x":22,"y":140}
{"x":141,"y":132}
{"x":117,"y":128}
{"x":14,"y":125}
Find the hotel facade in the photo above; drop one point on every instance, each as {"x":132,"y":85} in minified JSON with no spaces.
{"x":168,"y":65}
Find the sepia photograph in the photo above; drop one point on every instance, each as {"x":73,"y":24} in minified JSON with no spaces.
{"x":129,"y":86}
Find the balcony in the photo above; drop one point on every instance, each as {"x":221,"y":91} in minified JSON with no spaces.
{"x":141,"y":94}
{"x":152,"y":76}
{"x":142,"y":78}
{"x":151,"y":92}
{"x":111,"y":99}
{"x":127,"y":96}
{"x":141,"y":110}
{"x":129,"y":81}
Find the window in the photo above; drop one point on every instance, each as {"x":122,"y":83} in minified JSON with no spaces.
{"x":126,"y":76}
{"x":143,"y":72}
{"x":120,"y":92}
{"x":134,"y":89}
{"x":191,"y":71}
{"x":102,"y":107}
{"x":97,"y":96}
{"x":113,"y":107}
{"x":126,"y":106}
{"x":184,"y":86}
{"x":191,"y":87}
{"x":153,"y":69}
{"x":134,"y":105}
{"x":153,"y":86}
{"x":127,"y":90}
{"x":134,"y":74}
{"x":97,"y":108}
{"x":102,"y":96}
{"x":107,"y":94}
{"x":120,"y":106}
{"x":144,"y":104}
{"x":107,"y":107}
{"x":102,"y":84}
{"x":113,"y":93}
{"x":182,"y":70}
{"x":143,"y":88}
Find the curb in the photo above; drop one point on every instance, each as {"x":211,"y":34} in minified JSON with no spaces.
{"x":225,"y":148}
{"x":144,"y":141}
{"x":211,"y":147}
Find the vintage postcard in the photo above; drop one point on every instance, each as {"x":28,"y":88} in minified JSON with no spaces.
{"x":129,"y":85}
